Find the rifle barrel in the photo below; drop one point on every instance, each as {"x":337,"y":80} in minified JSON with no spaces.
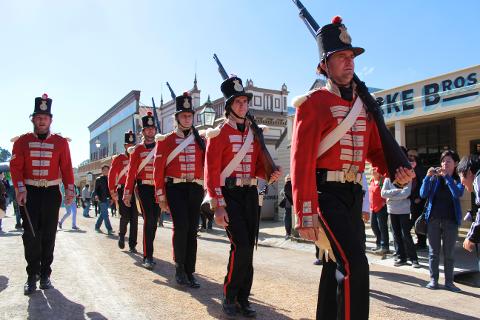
{"x":172,"y":94}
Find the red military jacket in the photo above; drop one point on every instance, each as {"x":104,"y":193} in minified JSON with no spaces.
{"x":318,"y":113}
{"x":118,"y":164}
{"x":137,"y":154}
{"x":222,"y":145}
{"x":188,"y":164}
{"x":35,"y":159}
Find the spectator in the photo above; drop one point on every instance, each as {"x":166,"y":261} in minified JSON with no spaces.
{"x":102,"y":196}
{"x":469,"y":170}
{"x":206,"y":215}
{"x":3,"y":199}
{"x":287,"y":194}
{"x":95,"y":202}
{"x":86,"y":197}
{"x":398,"y":206}
{"x":70,"y":209}
{"x":417,"y":203}
{"x":442,"y":189}
{"x":318,"y":261}
{"x":378,"y":209}
{"x":113,"y":209}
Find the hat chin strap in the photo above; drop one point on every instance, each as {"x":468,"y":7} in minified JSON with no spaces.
{"x":333,"y":80}
{"x":236,"y":115}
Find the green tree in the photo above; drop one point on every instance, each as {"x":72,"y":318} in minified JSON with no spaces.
{"x":5,"y":155}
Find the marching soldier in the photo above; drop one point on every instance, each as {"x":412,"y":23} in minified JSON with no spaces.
{"x":327,"y":173}
{"x":179,"y":187}
{"x":140,"y":171}
{"x":232,"y":164}
{"x":40,"y":162}
{"x":116,"y":183}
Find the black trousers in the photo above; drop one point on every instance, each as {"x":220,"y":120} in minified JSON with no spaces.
{"x":379,"y":223}
{"x":401,"y":226}
{"x":128,"y":215}
{"x":43,"y":205}
{"x":344,"y":286}
{"x":242,"y":209}
{"x":184,"y":200}
{"x":150,"y":210}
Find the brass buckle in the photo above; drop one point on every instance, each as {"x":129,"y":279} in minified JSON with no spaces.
{"x":350,"y":176}
{"x":43,"y":183}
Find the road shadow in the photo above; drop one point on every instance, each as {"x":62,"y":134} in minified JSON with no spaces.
{"x":416,"y":308}
{"x":52,"y":304}
{"x":74,"y":231}
{"x":10,"y":234}
{"x":210,"y":292}
{"x":3,"y":283}
{"x":399,"y":278}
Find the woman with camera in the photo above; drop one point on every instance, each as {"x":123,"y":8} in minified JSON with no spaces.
{"x":442,"y":189}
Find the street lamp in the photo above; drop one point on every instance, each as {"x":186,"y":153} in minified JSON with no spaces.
{"x":208,"y":114}
{"x":98,"y":143}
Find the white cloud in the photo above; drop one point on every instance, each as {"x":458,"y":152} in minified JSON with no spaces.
{"x":366,"y":71}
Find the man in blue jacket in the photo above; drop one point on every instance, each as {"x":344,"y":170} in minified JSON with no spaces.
{"x":469,"y":171}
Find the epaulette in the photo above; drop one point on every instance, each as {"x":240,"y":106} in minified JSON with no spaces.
{"x":213,"y":132}
{"x":115,"y":156}
{"x":18,"y":137}
{"x":15,"y":138}
{"x":202,"y":133}
{"x":299,"y":100}
{"x":60,"y":135}
{"x":160,"y":137}
{"x":264,"y":128}
{"x":131,"y":149}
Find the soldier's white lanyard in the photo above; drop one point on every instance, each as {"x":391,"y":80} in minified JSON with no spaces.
{"x":121,"y":174}
{"x":147,"y":159}
{"x":336,"y":134}
{"x":237,"y":158}
{"x":179,"y":148}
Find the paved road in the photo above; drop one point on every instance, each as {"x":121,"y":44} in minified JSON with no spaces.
{"x":94,"y":279}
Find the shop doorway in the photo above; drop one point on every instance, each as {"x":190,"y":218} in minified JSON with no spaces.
{"x":431,"y":139}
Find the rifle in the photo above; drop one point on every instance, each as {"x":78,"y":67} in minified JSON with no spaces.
{"x":198,"y":139}
{"x":172,"y":94}
{"x":155,"y":115}
{"x":394,"y":156}
{"x":266,"y":158}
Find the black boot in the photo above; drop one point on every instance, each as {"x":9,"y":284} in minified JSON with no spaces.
{"x":180,"y":275}
{"x":30,"y":286}
{"x":121,"y":242}
{"x":193,"y":282}
{"x":229,"y":308}
{"x":45,"y":283}
{"x":246,"y":310}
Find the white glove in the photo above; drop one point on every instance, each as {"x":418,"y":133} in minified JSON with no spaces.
{"x":324,"y":245}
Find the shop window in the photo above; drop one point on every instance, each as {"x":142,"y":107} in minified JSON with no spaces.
{"x":431,"y":139}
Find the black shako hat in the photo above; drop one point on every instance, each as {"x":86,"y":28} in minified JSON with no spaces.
{"x":232,"y":88}
{"x":129,"y":137}
{"x":184,"y":103}
{"x":148,"y":120}
{"x":334,"y":37}
{"x":43,"y":105}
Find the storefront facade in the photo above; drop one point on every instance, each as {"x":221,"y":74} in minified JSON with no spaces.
{"x":436,"y":114}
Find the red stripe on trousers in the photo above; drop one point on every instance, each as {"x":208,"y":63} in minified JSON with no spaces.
{"x":230,"y":271}
{"x":346,"y":282}
{"x":144,"y":225}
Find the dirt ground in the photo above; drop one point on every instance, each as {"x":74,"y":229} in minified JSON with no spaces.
{"x":94,"y":279}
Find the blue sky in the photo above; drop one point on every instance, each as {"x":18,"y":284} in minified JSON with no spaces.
{"x":87,"y":54}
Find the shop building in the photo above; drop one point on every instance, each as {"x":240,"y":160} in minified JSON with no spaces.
{"x":436,"y":114}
